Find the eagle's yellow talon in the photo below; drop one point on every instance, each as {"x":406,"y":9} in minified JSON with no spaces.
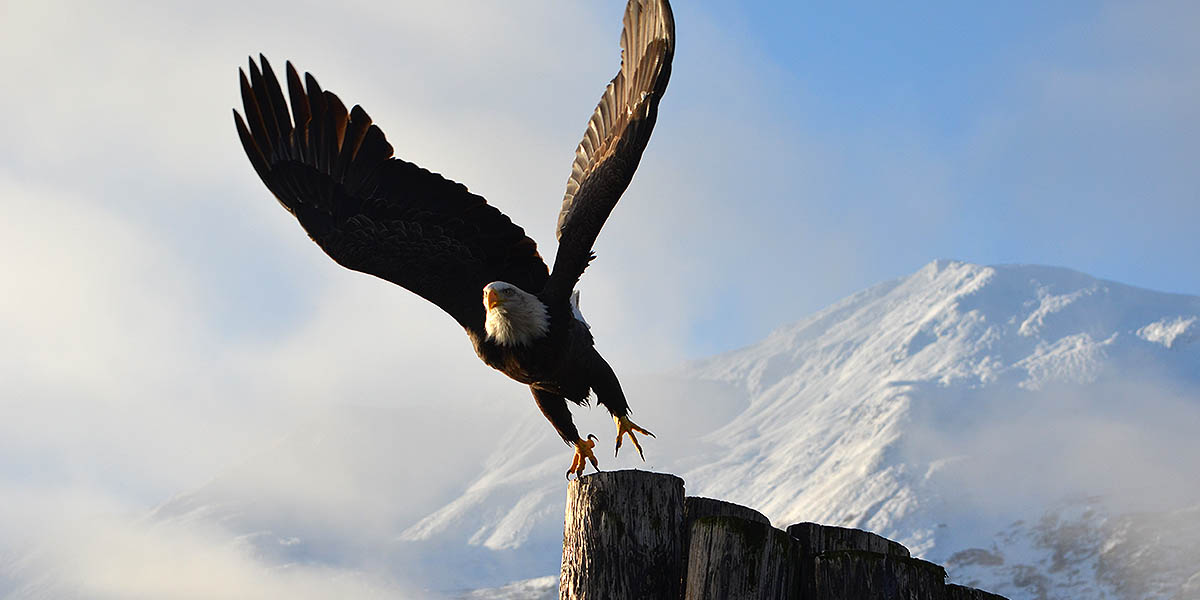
{"x":625,"y":426}
{"x":583,"y":454}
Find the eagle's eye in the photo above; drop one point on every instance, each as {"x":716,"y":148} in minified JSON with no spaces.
{"x":508,"y":291}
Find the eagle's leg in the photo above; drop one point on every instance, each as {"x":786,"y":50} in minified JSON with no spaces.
{"x":583,"y":453}
{"x":608,"y":392}
{"x":554,"y":408}
{"x":625,"y":426}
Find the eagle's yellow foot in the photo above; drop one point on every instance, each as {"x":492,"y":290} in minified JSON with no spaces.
{"x":583,"y":453}
{"x":624,"y":426}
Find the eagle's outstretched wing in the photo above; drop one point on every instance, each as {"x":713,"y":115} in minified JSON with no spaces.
{"x":615,"y":138}
{"x":370,"y":212}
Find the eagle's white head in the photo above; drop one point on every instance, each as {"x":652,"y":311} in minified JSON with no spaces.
{"x":514,"y":317}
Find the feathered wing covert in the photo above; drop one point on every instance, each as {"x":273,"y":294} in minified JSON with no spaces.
{"x":614,"y":140}
{"x":371,"y":212}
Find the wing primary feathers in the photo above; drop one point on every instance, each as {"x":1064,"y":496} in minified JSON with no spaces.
{"x":301,"y":114}
{"x":252,"y":150}
{"x":616,"y":135}
{"x":337,"y":119}
{"x":363,"y":122}
{"x":316,"y":132}
{"x":283,"y":121}
{"x":326,"y":142}
{"x":254,"y":117}
{"x":374,"y":149}
{"x":333,"y":169}
{"x":263,"y":100}
{"x":351,"y":140}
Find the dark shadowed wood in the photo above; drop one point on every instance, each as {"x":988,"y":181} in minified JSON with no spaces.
{"x":815,"y":539}
{"x":859,"y":575}
{"x":622,"y":540}
{"x":959,"y":592}
{"x":621,"y":537}
{"x":740,"y":559}
{"x":696,"y":507}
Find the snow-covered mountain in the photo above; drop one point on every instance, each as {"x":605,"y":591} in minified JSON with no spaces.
{"x":1034,"y":429}
{"x":1028,"y":426}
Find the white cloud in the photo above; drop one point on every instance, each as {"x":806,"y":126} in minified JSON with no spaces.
{"x":165,"y":318}
{"x":1126,"y":438}
{"x":114,"y":556}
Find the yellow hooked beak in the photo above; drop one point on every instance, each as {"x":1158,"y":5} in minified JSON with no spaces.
{"x":491,"y":298}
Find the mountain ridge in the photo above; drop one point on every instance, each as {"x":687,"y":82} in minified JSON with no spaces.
{"x":827,"y":433}
{"x":915,"y":408}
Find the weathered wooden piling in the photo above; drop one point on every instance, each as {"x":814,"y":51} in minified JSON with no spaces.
{"x":740,"y":559}
{"x":622,"y":536}
{"x":840,"y":562}
{"x":815,"y":539}
{"x":697,"y":507}
{"x":855,"y":574}
{"x":959,"y":592}
{"x":631,"y":535}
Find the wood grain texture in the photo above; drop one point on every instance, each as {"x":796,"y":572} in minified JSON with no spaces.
{"x":856,"y":574}
{"x":741,"y":559}
{"x":959,"y":592}
{"x":623,"y":540}
{"x":696,"y":507}
{"x":815,"y":539}
{"x":622,"y":536}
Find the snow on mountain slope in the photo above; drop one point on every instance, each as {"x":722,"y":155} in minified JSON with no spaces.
{"x":832,"y":396}
{"x":936,"y":409}
{"x":1032,"y":428}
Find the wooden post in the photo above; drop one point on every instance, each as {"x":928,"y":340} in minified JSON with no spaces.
{"x":741,"y":559}
{"x":815,"y":539}
{"x":845,"y":574}
{"x":698,"y":507}
{"x":958,"y":592}
{"x":621,"y":537}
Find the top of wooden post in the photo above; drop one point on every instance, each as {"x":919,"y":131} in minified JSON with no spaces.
{"x":697,"y":507}
{"x":625,"y":478}
{"x":815,"y":539}
{"x":622,"y":536}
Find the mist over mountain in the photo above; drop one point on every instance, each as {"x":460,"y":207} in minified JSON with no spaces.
{"x":1032,"y":428}
{"x":969,"y":412}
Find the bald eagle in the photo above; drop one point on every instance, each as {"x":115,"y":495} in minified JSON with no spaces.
{"x":334,"y":171}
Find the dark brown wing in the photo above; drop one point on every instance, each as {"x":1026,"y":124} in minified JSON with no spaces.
{"x":334,"y":171}
{"x":615,"y":138}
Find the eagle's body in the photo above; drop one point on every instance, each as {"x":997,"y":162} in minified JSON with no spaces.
{"x":334,"y":171}
{"x":562,"y":364}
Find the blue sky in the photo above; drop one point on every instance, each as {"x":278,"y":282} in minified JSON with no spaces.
{"x":863,"y":141}
{"x":1060,"y":133}
{"x":164,"y":316}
